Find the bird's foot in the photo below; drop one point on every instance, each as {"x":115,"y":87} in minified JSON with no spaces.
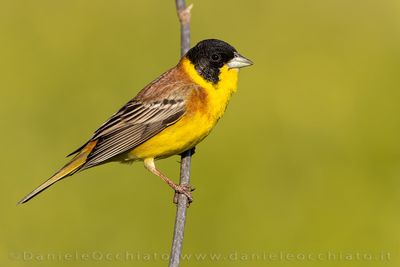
{"x":184,"y":189}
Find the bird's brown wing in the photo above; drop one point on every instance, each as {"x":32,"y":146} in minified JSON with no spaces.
{"x":139,"y":120}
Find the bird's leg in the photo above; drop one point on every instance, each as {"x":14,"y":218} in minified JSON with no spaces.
{"x":192,"y":151}
{"x":181,"y":189}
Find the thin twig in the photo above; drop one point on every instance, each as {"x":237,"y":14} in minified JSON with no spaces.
{"x":184,"y":19}
{"x":180,"y":219}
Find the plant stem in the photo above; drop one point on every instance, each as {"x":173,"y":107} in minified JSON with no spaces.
{"x":180,"y":219}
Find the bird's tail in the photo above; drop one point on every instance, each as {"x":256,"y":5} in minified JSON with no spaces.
{"x":69,"y":169}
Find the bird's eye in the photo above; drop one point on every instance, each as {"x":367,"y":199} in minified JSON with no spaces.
{"x":215,"y":57}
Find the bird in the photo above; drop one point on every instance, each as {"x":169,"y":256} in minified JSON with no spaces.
{"x":170,"y":115}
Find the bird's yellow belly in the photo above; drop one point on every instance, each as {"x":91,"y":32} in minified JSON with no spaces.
{"x":175,"y":139}
{"x":203,"y":110}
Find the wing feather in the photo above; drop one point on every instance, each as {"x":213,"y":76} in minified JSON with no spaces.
{"x":131,"y":127}
{"x":157,"y":106}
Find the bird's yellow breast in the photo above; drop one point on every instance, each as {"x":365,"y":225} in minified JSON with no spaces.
{"x":204,"y":108}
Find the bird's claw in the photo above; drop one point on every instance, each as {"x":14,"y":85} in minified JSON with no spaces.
{"x":186,"y":190}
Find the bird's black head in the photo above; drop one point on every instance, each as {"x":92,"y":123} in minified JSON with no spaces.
{"x":208,"y":56}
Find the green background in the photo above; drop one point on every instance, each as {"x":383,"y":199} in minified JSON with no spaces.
{"x":305,"y":161}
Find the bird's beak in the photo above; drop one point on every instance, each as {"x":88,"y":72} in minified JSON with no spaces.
{"x":239,"y":61}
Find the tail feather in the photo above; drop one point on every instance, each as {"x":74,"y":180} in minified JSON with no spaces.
{"x":70,"y":168}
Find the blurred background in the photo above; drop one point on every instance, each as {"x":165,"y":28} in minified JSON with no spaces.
{"x":302,"y":170}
